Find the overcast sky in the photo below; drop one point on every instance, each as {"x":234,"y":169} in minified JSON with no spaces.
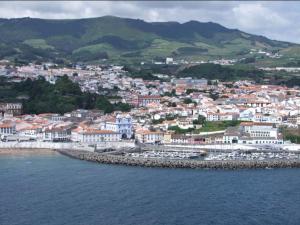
{"x":276,"y":20}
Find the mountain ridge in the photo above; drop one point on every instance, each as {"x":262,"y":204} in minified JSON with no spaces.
{"x":124,"y":39}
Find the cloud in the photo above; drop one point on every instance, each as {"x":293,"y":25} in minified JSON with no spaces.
{"x":276,"y":20}
{"x":257,"y":16}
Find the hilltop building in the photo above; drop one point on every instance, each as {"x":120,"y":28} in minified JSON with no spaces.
{"x":10,"y":109}
{"x":147,"y":99}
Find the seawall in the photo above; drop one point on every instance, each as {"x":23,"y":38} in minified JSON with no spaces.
{"x":61,"y":145}
{"x":195,"y":164}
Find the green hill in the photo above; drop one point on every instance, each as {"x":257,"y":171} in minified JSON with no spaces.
{"x":127,"y":40}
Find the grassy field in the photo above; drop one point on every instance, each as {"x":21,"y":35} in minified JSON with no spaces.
{"x":162,"y":48}
{"x":210,"y":126}
{"x":38,"y":43}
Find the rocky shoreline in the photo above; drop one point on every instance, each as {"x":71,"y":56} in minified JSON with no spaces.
{"x":167,"y":163}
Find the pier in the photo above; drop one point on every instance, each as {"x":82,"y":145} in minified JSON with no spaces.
{"x":167,"y":163}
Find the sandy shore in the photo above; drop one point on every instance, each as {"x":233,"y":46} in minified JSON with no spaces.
{"x":27,"y":152}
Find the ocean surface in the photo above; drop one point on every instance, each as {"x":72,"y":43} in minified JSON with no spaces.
{"x":56,"y":190}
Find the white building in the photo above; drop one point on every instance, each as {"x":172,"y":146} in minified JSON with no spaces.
{"x":253,"y":133}
{"x":169,"y":61}
{"x":221,"y":116}
{"x":94,"y":136}
{"x":260,"y":129}
{"x":56,"y":134}
{"x":33,"y":132}
{"x":120,"y":124}
{"x":149,"y":137}
{"x":7,"y":129}
{"x":147,"y":99}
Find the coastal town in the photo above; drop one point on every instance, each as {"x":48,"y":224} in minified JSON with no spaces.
{"x":149,"y":112}
{"x":181,"y":111}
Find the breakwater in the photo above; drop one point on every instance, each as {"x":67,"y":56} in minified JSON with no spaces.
{"x":195,"y":164}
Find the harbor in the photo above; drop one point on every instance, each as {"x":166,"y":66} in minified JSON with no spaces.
{"x":179,"y":156}
{"x":183,"y":162}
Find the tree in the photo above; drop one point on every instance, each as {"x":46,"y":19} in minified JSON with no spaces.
{"x":201,"y":120}
{"x":188,"y":101}
{"x":61,"y":97}
{"x":124,"y":107}
{"x":103,"y":104}
{"x":65,"y":86}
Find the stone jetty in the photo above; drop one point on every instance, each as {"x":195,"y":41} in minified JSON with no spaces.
{"x":195,"y":164}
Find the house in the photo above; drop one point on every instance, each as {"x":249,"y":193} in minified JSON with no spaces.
{"x":79,"y":113}
{"x":93,"y":136}
{"x":167,"y":138}
{"x":190,"y":82}
{"x":231,"y":135}
{"x":247,"y":114}
{"x":267,"y":118}
{"x":12,"y":109}
{"x":60,"y":132}
{"x":33,"y":131}
{"x":179,"y":139}
{"x":56,"y":134}
{"x":144,"y":100}
{"x":215,"y":138}
{"x":222,"y":116}
{"x":7,"y":128}
{"x":294,"y":119}
{"x":185,"y":123}
{"x":149,"y":137}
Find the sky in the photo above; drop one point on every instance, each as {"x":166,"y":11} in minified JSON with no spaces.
{"x":276,"y":20}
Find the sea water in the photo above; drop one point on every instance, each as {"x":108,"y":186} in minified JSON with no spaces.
{"x":56,"y":190}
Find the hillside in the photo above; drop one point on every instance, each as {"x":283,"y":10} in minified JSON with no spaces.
{"x":119,"y":39}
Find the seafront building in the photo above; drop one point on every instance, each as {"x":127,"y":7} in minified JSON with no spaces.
{"x":7,"y":128}
{"x":253,"y":133}
{"x":149,"y":137}
{"x":94,"y":136}
{"x":121,"y":123}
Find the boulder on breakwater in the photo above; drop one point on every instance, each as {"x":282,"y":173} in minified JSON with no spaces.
{"x":123,"y":160}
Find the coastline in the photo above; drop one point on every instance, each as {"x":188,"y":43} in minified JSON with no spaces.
{"x":152,"y":162}
{"x":26,"y":151}
{"x":166,"y":163}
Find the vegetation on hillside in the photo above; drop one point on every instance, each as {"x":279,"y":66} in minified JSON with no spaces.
{"x":291,"y":134}
{"x":207,"y":126}
{"x":210,"y":126}
{"x":224,"y":73}
{"x":39,"y":96}
{"x":126,"y":40}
